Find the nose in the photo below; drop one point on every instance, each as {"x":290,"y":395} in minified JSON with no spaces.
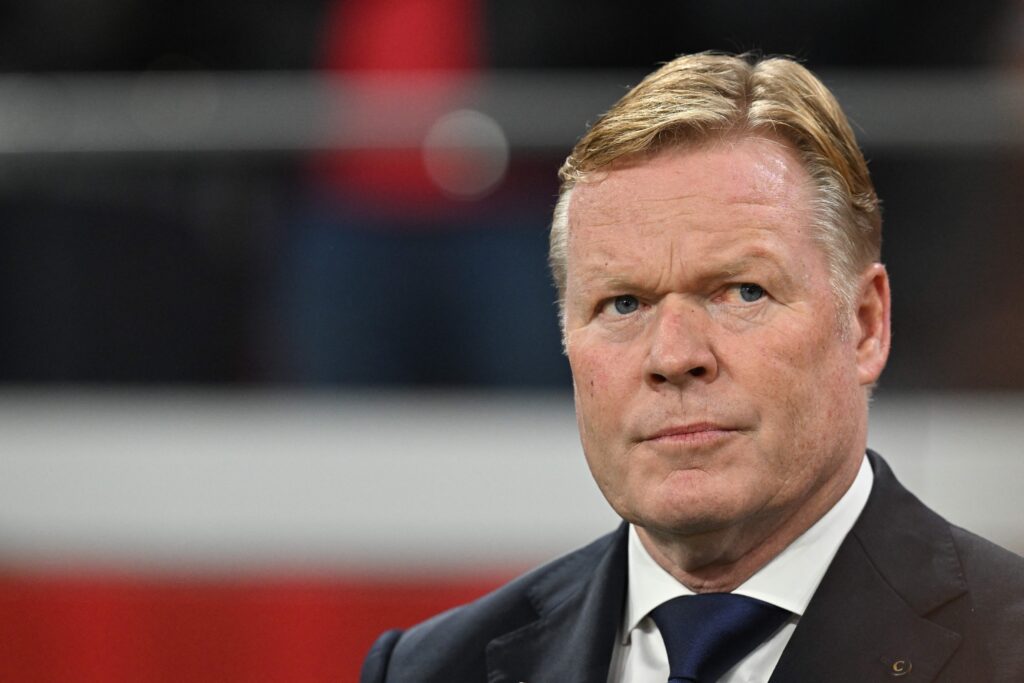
{"x":680,"y":350}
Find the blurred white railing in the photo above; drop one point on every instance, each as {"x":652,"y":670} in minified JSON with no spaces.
{"x":299,"y":111}
{"x":206,"y":480}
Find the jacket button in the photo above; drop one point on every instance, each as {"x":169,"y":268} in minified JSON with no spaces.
{"x":900,"y":667}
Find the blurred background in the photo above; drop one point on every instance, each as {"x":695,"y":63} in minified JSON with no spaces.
{"x":279,"y":360}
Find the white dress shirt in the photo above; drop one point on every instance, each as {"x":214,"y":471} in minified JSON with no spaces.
{"x":788,"y":581}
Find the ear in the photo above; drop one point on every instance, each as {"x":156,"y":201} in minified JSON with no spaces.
{"x":872,"y":330}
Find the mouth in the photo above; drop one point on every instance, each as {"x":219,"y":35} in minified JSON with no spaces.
{"x":696,"y":433}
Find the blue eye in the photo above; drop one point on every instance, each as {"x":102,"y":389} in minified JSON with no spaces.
{"x":625,"y":304}
{"x":750,"y":292}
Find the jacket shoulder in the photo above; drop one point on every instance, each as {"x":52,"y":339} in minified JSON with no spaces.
{"x":995,"y":579}
{"x":375,"y":666}
{"x":452,"y":645}
{"x":948,"y":576}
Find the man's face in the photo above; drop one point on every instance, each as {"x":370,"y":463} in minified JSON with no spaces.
{"x":715,"y":383}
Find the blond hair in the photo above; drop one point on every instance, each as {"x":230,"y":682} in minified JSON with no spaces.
{"x":696,"y":98}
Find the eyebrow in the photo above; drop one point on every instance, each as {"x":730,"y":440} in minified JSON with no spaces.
{"x":734,"y":267}
{"x":707,"y":271}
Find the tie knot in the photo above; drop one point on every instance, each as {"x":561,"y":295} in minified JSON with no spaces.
{"x":707,"y":634}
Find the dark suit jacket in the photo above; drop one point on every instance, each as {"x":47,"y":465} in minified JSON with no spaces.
{"x":906,"y":591}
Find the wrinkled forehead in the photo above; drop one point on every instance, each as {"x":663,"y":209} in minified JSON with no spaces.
{"x":746,"y":175}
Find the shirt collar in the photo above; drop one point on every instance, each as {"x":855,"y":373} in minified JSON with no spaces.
{"x":788,"y":580}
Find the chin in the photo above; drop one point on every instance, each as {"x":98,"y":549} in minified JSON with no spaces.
{"x":689,"y":527}
{"x":693,"y":521}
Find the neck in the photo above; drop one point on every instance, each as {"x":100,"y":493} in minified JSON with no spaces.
{"x":720,"y":561}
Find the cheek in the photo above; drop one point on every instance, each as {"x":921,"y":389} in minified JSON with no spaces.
{"x":791,"y":375}
{"x":593,"y":372}
{"x":603,"y":392}
{"x":590,"y":384}
{"x":807,"y":391}
{"x":801,"y":354}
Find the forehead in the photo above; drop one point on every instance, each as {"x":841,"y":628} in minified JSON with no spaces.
{"x":734,"y":184}
{"x":694,"y":217}
{"x":690,"y":214}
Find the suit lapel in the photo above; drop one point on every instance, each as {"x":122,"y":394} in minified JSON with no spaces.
{"x":857,"y":628}
{"x":572,"y":640}
{"x":866,"y":622}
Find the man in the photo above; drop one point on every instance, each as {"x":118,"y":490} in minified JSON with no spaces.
{"x":725,"y":314}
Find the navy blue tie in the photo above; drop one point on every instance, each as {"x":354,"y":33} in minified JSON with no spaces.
{"x":706,"y":634}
